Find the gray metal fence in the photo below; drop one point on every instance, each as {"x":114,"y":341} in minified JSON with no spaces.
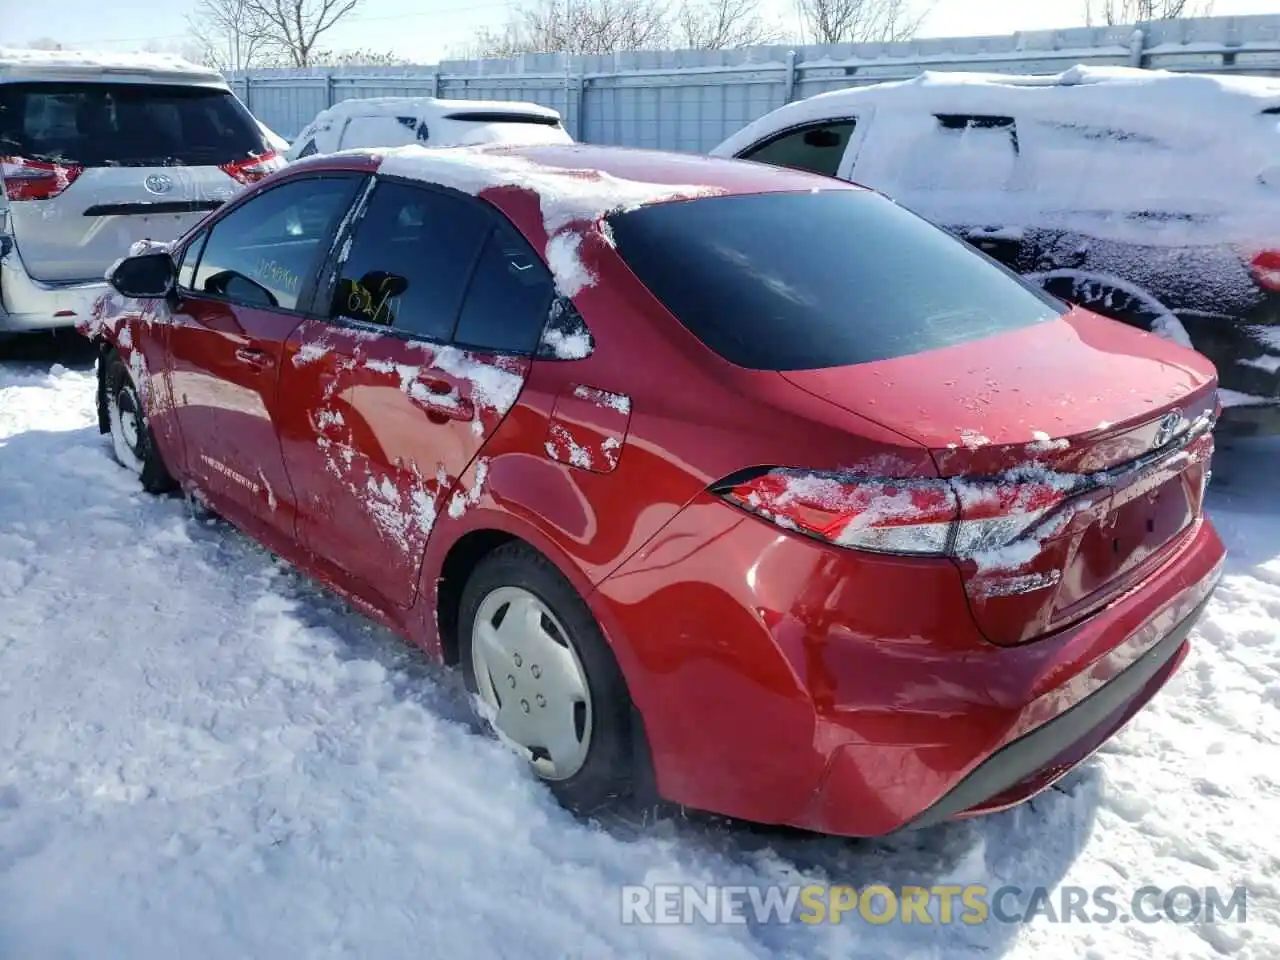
{"x":691,"y":100}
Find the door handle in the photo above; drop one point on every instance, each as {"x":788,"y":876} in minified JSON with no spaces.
{"x":258,"y":359}
{"x":440,"y":399}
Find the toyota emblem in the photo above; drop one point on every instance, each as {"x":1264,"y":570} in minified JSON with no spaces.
{"x":158,"y":184}
{"x":1170,"y":424}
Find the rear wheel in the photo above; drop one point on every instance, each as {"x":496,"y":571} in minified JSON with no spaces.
{"x":132,"y":442}
{"x":546,"y":679}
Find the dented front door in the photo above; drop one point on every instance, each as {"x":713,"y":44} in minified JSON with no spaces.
{"x":234,"y":309}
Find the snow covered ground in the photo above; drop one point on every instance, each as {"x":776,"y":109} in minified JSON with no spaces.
{"x":204,"y":755}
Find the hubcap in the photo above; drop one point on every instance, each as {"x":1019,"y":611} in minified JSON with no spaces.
{"x":531,"y":679}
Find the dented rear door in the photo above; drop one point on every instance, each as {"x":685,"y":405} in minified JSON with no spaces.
{"x":399,"y":383}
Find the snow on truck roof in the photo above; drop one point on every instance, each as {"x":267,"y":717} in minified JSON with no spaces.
{"x":21,"y":64}
{"x":432,"y":106}
{"x":1081,"y":86}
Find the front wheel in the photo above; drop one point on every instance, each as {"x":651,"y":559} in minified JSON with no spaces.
{"x":546,"y":679}
{"x":132,"y":441}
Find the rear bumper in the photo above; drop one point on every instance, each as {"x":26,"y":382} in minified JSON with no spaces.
{"x":27,"y":304}
{"x":784,"y":681}
{"x":1030,"y":764}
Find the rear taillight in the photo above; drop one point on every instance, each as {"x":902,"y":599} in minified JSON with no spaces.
{"x":252,"y":169}
{"x":1266,"y":270}
{"x":973,"y":519}
{"x":36,"y":179}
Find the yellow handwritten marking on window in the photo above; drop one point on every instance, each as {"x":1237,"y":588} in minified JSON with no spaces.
{"x":361,"y":301}
{"x":277,"y":275}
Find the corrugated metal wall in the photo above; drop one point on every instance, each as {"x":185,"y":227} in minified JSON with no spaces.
{"x":691,"y":100}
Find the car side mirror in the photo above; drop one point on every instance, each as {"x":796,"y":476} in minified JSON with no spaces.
{"x":150,"y":276}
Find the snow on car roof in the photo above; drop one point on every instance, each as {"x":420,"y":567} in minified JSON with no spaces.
{"x":581,"y":184}
{"x":23,"y":62}
{"x":1142,"y":90}
{"x":429,"y":106}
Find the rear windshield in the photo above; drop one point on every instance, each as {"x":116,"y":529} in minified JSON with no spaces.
{"x":800,"y":281}
{"x":127,"y":125}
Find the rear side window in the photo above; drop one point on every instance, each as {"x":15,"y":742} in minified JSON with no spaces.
{"x":411,"y":257}
{"x":795,"y":281}
{"x":510,"y":296}
{"x":383,"y":131}
{"x":963,"y":152}
{"x":127,"y":125}
{"x":817,"y":148}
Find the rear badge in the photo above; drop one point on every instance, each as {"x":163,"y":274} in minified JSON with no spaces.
{"x":158,"y":184}
{"x":1170,"y":425}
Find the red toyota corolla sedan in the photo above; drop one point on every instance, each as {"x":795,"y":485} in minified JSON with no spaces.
{"x":724,"y":484}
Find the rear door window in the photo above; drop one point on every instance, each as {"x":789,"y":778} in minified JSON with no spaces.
{"x":963,"y":152}
{"x":796,"y":281}
{"x":817,"y":148}
{"x":124,"y":124}
{"x":412,"y":255}
{"x":383,"y":131}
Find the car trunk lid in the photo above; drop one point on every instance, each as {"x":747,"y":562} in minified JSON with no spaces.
{"x":1078,"y":449}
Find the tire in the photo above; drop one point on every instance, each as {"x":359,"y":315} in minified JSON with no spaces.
{"x":1114,"y":299}
{"x":515,"y":577}
{"x":132,"y":442}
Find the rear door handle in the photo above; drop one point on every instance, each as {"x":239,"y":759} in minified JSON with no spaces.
{"x":258,"y":359}
{"x":439,"y":398}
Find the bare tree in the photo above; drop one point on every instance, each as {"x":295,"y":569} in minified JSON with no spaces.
{"x":186,"y":49}
{"x":722,"y":25}
{"x":292,"y":27}
{"x":231,"y":35}
{"x":355,"y":58}
{"x":859,"y":21}
{"x":1112,"y":12}
{"x":577,"y":27}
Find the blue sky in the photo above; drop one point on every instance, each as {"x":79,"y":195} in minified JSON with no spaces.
{"x":426,"y":30}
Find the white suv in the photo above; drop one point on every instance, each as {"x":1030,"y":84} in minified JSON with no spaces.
{"x":1148,"y":196}
{"x":403,"y":121}
{"x":100,"y":151}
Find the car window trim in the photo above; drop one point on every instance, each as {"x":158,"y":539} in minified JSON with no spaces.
{"x":321,"y":298}
{"x":201,"y":238}
{"x":305,"y":294}
{"x":777,"y":135}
